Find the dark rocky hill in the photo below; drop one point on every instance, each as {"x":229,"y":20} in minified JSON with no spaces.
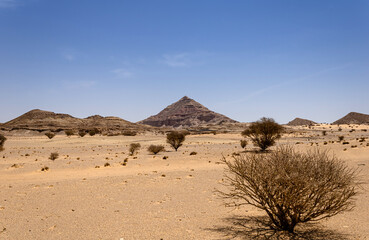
{"x":300,"y":122}
{"x":186,"y":113}
{"x":353,"y":118}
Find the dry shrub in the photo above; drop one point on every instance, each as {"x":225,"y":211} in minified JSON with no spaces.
{"x":82,"y":133}
{"x":69,"y":132}
{"x":129,"y":133}
{"x":291,"y":187}
{"x":155,"y":149}
{"x":243,"y":143}
{"x":134,"y":147}
{"x":263,"y":133}
{"x":193,"y":153}
{"x":50,"y":135}
{"x":54,"y":156}
{"x":2,"y":142}
{"x":340,"y":138}
{"x":176,"y":139}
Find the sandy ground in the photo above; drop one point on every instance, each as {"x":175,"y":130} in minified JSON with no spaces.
{"x":150,"y":197}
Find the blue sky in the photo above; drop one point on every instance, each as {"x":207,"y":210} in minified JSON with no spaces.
{"x":245,"y":59}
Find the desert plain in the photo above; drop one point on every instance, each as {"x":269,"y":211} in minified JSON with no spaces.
{"x":87,"y":192}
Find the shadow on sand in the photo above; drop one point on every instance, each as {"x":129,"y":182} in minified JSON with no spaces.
{"x":258,"y":228}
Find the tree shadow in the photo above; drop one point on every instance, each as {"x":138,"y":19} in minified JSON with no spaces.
{"x":258,"y":228}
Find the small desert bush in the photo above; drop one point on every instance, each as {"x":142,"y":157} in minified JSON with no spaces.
{"x":345,"y":143}
{"x":54,"y":156}
{"x":155,"y":149}
{"x":82,"y":133}
{"x":133,"y":148}
{"x":243,"y":143}
{"x":2,"y":142}
{"x":129,"y":133}
{"x":50,"y":135}
{"x":69,"y":132}
{"x":340,"y":138}
{"x":44,"y":169}
{"x":263,"y":133}
{"x":291,"y":187}
{"x":94,"y":131}
{"x":193,"y":153}
{"x":339,"y":129}
{"x":176,"y":139}
{"x":107,"y":164}
{"x":324,"y":133}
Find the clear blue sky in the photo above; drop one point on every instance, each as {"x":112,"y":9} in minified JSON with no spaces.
{"x":245,"y":59}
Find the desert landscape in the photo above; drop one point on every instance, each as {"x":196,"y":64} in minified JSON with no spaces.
{"x":97,"y":189}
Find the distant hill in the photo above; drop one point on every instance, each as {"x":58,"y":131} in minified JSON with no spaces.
{"x":44,"y":120}
{"x":187,"y":113}
{"x":300,"y":122}
{"x":353,"y":118}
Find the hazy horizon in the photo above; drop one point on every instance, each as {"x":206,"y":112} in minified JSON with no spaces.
{"x":131,"y":59}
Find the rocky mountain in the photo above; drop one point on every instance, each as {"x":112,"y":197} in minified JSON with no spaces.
{"x":300,"y":122}
{"x":353,"y":118}
{"x":186,"y":113}
{"x":44,"y":120}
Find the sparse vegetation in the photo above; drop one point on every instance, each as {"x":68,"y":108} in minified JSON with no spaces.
{"x":54,"y":156}
{"x":263,"y":133}
{"x":82,"y":133}
{"x":133,"y":148}
{"x":193,"y":153}
{"x":243,"y":143}
{"x":107,"y":164}
{"x":291,"y":187}
{"x":69,"y":132}
{"x":50,"y":135}
{"x":324,"y":133}
{"x":155,"y":149}
{"x":340,"y":138}
{"x":45,"y":169}
{"x":176,"y":139}
{"x":129,"y":133}
{"x":2,"y":142}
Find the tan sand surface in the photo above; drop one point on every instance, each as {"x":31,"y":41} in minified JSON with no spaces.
{"x":150,"y":197}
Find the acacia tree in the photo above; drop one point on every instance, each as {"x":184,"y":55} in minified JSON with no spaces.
{"x":263,"y":133}
{"x":291,"y":187}
{"x":176,"y":139}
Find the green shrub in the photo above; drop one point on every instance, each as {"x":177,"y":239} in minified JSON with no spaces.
{"x":263,"y":133}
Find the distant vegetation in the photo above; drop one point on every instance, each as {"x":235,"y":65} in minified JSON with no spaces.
{"x":291,"y":187}
{"x":2,"y":141}
{"x":176,"y":139}
{"x":129,"y":133}
{"x":133,"y":148}
{"x":243,"y":143}
{"x":50,"y":135}
{"x":82,"y":133}
{"x":69,"y":133}
{"x":54,"y":156}
{"x":263,"y":133}
{"x":155,"y":149}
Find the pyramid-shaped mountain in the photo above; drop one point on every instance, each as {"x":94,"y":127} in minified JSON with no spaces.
{"x":45,"y":120}
{"x":353,"y":118}
{"x":300,"y":122}
{"x":186,"y":113}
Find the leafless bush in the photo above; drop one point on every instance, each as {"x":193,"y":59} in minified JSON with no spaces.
{"x":291,"y":187}
{"x":155,"y":149}
{"x":2,"y":141}
{"x":54,"y":156}
{"x":50,"y":135}
{"x":340,"y":138}
{"x":134,"y":147}
{"x":176,"y":139}
{"x":263,"y":133}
